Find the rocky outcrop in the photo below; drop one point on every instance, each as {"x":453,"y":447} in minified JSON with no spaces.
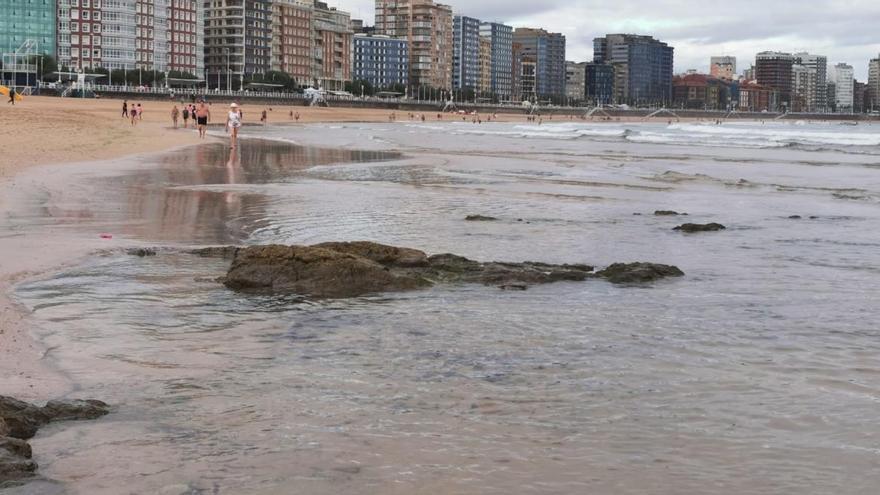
{"x":20,"y":421}
{"x":691,"y":228}
{"x":638,"y":273}
{"x":315,"y":271}
{"x":479,"y":218}
{"x":351,"y":269}
{"x":668,"y":213}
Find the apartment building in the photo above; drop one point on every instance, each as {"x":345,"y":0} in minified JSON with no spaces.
{"x":500,"y":38}
{"x":642,"y":68}
{"x":381,"y":60}
{"x":238,"y":40}
{"x":291,"y":49}
{"x":428,"y":27}
{"x":773,"y":69}
{"x":547,"y":52}
{"x":466,"y":63}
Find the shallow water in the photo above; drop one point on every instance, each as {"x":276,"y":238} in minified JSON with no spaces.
{"x":759,"y":372}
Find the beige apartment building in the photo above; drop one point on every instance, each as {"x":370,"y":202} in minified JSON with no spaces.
{"x":428,"y":27}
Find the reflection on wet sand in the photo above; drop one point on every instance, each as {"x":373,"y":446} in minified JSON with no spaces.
{"x":166,"y":209}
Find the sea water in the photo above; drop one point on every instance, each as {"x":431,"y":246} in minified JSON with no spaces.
{"x":758,"y":372}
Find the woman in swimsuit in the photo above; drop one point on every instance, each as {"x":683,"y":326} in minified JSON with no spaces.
{"x":233,"y":123}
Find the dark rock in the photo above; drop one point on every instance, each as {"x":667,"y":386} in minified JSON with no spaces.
{"x":630,"y":273}
{"x":480,"y":218}
{"x":380,"y":253}
{"x":519,"y":287}
{"x":696,"y":227}
{"x":61,"y":410}
{"x":357,"y":268}
{"x":795,"y":217}
{"x":15,"y":467}
{"x":668,"y":213}
{"x":314,"y":271}
{"x":814,"y":218}
{"x":223,"y":252}
{"x":22,"y":419}
{"x":141,"y":252}
{"x":16,"y":447}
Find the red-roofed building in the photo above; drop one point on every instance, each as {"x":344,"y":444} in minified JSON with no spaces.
{"x":754,"y":97}
{"x":700,"y":91}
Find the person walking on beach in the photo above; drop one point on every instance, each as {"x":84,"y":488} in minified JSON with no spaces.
{"x":186,"y":116}
{"x":11,"y":96}
{"x":264,"y":117}
{"x":125,"y":108}
{"x":134,"y":115}
{"x":233,"y":122}
{"x":174,"y":113}
{"x":203,"y":115}
{"x":140,"y":112}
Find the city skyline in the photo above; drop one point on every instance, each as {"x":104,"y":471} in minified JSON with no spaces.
{"x":697,"y":31}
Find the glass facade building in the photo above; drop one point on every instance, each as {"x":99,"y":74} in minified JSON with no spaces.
{"x":500,"y":39}
{"x":23,"y":20}
{"x":465,"y":52}
{"x":381,"y":60}
{"x":547,"y":51}
{"x":642,"y":68}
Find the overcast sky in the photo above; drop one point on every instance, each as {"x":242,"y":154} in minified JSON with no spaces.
{"x":843,"y":30}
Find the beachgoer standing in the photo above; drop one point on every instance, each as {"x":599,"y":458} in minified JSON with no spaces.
{"x":203,"y":115}
{"x":174,"y":113}
{"x":264,"y":117}
{"x":185,"y":116}
{"x":125,"y":108}
{"x":140,"y":112}
{"x":11,"y":96}
{"x":296,"y":116}
{"x":233,"y":123}
{"x":133,"y":114}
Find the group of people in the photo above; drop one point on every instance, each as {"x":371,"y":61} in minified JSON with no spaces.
{"x":135,"y":113}
{"x":200,"y":115}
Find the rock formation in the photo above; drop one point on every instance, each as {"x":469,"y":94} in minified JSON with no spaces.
{"x":20,"y":421}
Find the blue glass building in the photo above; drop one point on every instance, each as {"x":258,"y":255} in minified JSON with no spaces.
{"x":501,"y":42}
{"x":465,"y":52}
{"x":381,"y":60}
{"x":642,"y":68}
{"x":599,"y":83}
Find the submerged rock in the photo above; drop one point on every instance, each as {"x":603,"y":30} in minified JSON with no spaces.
{"x":630,"y":273}
{"x":352,"y":269}
{"x":69,"y":410}
{"x":141,"y":252}
{"x":20,"y":421}
{"x":696,"y":227}
{"x":668,"y":213}
{"x":480,"y":218}
{"x":795,"y":217}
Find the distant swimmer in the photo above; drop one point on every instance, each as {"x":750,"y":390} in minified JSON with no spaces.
{"x":233,"y":123}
